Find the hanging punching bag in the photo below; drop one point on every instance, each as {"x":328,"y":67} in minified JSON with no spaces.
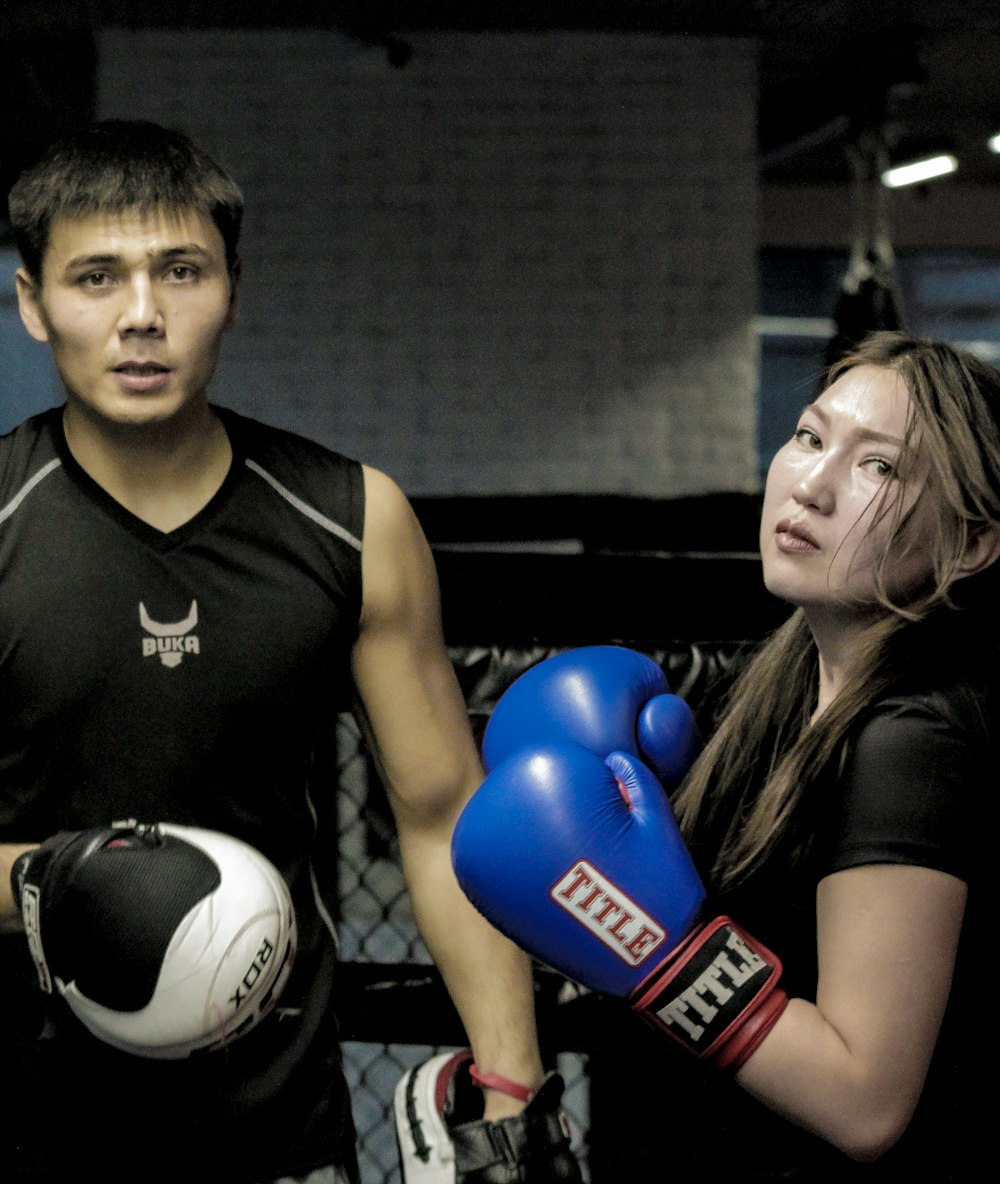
{"x":868,"y":299}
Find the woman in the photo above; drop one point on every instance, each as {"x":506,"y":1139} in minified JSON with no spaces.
{"x":839,"y":811}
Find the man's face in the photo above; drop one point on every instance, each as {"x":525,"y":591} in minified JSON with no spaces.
{"x":134,"y":307}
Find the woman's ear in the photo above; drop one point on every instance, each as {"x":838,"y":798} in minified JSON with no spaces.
{"x":982,"y":549}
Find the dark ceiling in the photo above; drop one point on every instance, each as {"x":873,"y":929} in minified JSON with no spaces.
{"x":924,"y":71}
{"x":918,"y":72}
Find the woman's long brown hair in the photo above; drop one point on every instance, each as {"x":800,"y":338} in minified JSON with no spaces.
{"x":758,"y":785}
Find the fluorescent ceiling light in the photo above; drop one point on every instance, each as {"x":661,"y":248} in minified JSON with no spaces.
{"x":919,"y":170}
{"x":994,"y":143}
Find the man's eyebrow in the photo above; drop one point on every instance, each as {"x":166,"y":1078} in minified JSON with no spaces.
{"x":92,"y":261}
{"x":183,"y":249}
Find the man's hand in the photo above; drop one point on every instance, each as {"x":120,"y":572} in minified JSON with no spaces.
{"x":443,"y":1138}
{"x":163,"y":940}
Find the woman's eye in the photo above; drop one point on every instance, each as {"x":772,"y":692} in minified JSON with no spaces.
{"x":881,"y":467}
{"x":807,"y":437}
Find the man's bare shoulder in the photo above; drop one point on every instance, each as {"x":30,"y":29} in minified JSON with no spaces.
{"x":382,"y":490}
{"x":388,"y":513}
{"x":397,"y":566}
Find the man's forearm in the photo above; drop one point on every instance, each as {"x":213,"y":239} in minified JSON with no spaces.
{"x":488,"y":978}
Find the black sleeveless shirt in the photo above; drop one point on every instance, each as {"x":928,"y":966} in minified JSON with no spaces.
{"x":194,"y":677}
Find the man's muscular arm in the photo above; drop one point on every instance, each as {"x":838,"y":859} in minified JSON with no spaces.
{"x":418,"y":724}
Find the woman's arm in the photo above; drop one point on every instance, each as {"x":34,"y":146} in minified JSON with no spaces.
{"x":851,"y":1067}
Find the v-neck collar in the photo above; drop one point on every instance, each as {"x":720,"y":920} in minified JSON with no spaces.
{"x":151,"y":535}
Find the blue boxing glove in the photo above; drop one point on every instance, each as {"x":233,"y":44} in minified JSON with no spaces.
{"x":576,"y":856}
{"x":549,"y":848}
{"x":605,"y":697}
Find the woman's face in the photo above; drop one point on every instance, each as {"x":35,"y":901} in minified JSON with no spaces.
{"x":834,"y":491}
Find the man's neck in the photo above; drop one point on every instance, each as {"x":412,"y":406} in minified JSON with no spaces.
{"x":164,"y":474}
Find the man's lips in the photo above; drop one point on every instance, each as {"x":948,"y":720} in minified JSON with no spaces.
{"x":141,"y":377}
{"x":792,"y":537}
{"x":140,"y":367}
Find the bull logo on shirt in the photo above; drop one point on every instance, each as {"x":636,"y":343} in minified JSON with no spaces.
{"x":170,"y":639}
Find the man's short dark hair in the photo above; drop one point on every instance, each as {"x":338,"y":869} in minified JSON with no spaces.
{"x":120,"y":165}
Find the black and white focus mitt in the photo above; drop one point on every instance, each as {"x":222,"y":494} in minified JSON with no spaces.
{"x":163,"y":940}
{"x":443,"y":1138}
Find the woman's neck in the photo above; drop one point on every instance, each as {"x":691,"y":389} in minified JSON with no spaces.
{"x":837,"y":636}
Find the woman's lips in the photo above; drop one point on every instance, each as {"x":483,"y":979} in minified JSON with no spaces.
{"x":793,"y":538}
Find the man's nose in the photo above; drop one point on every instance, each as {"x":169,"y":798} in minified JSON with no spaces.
{"x":141,"y":313}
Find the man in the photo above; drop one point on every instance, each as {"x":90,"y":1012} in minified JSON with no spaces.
{"x":186,"y":596}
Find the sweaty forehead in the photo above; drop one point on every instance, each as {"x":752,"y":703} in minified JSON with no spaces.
{"x":870,"y":399}
{"x":129,"y":234}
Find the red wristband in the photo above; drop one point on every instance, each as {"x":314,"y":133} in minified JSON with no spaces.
{"x":502,"y":1085}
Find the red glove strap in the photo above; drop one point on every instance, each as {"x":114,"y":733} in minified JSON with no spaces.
{"x":716,"y":995}
{"x":502,"y":1085}
{"x":740,"y":1048}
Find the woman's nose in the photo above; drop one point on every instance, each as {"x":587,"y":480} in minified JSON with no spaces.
{"x":816,"y":487}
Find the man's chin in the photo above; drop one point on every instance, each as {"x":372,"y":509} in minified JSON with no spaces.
{"x":148,"y":411}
